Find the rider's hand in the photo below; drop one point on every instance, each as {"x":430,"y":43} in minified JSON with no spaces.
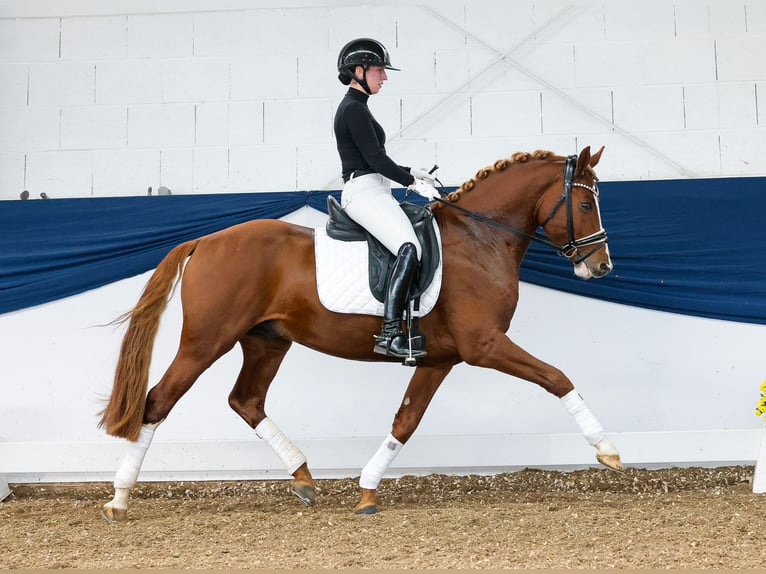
{"x":422,"y":187}
{"x":429,"y":178}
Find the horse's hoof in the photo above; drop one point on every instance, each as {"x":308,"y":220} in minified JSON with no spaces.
{"x":305,"y":493}
{"x":114,"y":515}
{"x":610,"y":461}
{"x":372,"y":509}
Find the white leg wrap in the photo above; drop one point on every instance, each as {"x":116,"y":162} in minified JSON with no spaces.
{"x":291,"y":455}
{"x":128,"y":473}
{"x":589,"y":426}
{"x":373,"y":471}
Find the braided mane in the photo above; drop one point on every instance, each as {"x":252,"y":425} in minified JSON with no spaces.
{"x":499,"y":165}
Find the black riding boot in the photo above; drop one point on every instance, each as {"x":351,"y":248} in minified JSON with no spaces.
{"x":392,"y":341}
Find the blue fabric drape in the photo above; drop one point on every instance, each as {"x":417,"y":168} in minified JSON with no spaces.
{"x":682,"y":246}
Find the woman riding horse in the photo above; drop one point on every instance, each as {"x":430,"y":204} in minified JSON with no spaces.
{"x":367,"y":173}
{"x":254,"y":284}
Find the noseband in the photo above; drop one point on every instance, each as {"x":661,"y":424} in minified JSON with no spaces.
{"x":569,"y":249}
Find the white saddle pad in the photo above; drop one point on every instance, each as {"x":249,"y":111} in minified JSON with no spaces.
{"x":343,"y":277}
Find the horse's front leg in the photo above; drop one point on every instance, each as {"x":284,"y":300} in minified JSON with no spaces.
{"x":497,"y":351}
{"x":416,"y":399}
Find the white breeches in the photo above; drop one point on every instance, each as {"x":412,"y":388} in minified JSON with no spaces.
{"x":367,"y":200}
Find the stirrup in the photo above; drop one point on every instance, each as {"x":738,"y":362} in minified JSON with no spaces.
{"x":397,"y":345}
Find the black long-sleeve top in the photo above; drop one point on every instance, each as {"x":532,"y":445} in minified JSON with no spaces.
{"x":361,"y":141}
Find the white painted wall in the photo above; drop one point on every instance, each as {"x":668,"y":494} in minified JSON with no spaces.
{"x":110,"y":97}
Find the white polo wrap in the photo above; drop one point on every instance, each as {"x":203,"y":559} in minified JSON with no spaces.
{"x":589,"y":426}
{"x":291,"y":455}
{"x":373,"y":471}
{"x":128,"y":473}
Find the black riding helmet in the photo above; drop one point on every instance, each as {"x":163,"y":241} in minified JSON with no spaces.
{"x":363,"y":52}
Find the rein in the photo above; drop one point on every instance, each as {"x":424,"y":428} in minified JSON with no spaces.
{"x":571,"y":247}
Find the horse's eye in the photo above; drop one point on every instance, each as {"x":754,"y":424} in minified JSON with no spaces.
{"x":586,"y":206}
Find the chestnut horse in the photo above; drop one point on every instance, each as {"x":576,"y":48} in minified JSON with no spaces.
{"x":254,"y":284}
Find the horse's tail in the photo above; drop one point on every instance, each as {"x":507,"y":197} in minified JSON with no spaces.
{"x":124,"y":413}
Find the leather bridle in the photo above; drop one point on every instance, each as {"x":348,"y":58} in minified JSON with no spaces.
{"x":571,"y":248}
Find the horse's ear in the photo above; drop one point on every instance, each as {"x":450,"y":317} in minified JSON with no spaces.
{"x":583,"y":160}
{"x":596,"y":157}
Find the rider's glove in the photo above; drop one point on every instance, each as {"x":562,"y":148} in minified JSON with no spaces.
{"x":423,"y":188}
{"x":423,"y":174}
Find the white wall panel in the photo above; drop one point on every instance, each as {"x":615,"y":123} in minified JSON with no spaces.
{"x":195,"y":81}
{"x":160,"y":125}
{"x":129,"y":81}
{"x":756,"y":18}
{"x":271,"y":76}
{"x":236,"y":39}
{"x":177,"y":170}
{"x":246,"y":123}
{"x":60,"y":173}
{"x":592,"y":112}
{"x":506,"y":113}
{"x":697,"y":151}
{"x":316,"y":76}
{"x":276,"y":30}
{"x":14,"y":79}
{"x":94,"y":38}
{"x":417,"y":30}
{"x":638,"y":21}
{"x":263,"y":168}
{"x":211,"y":124}
{"x":599,"y":64}
{"x":453,"y":119}
{"x":160,"y":36}
{"x":737,"y":105}
{"x":692,"y":19}
{"x":742,"y":151}
{"x":690,"y":61}
{"x":298,"y":121}
{"x":62,"y":84}
{"x":728,"y":18}
{"x":125,"y":172}
{"x":319,"y":164}
{"x":29,"y":40}
{"x":645,"y":108}
{"x":12,"y":171}
{"x":740,"y":58}
{"x":211,"y":169}
{"x":28,"y":129}
{"x":368,"y":21}
{"x":702,"y":107}
{"x":94,"y":127}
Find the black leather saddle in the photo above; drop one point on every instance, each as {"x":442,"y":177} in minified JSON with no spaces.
{"x":341,"y":227}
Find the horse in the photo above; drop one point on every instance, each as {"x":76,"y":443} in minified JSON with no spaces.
{"x":255,"y":284}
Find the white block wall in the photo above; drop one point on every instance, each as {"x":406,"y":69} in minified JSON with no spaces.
{"x":105,"y":98}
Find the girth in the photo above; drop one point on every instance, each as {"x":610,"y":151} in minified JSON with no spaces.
{"x":341,"y":227}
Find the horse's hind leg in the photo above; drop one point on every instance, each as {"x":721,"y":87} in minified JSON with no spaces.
{"x":262,"y":357}
{"x":185,"y":369}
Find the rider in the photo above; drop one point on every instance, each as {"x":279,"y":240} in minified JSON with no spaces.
{"x":367,"y":174}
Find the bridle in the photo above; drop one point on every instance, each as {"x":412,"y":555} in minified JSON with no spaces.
{"x":571,"y":248}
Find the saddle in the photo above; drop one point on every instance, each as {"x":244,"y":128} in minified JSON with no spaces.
{"x":341,"y":227}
